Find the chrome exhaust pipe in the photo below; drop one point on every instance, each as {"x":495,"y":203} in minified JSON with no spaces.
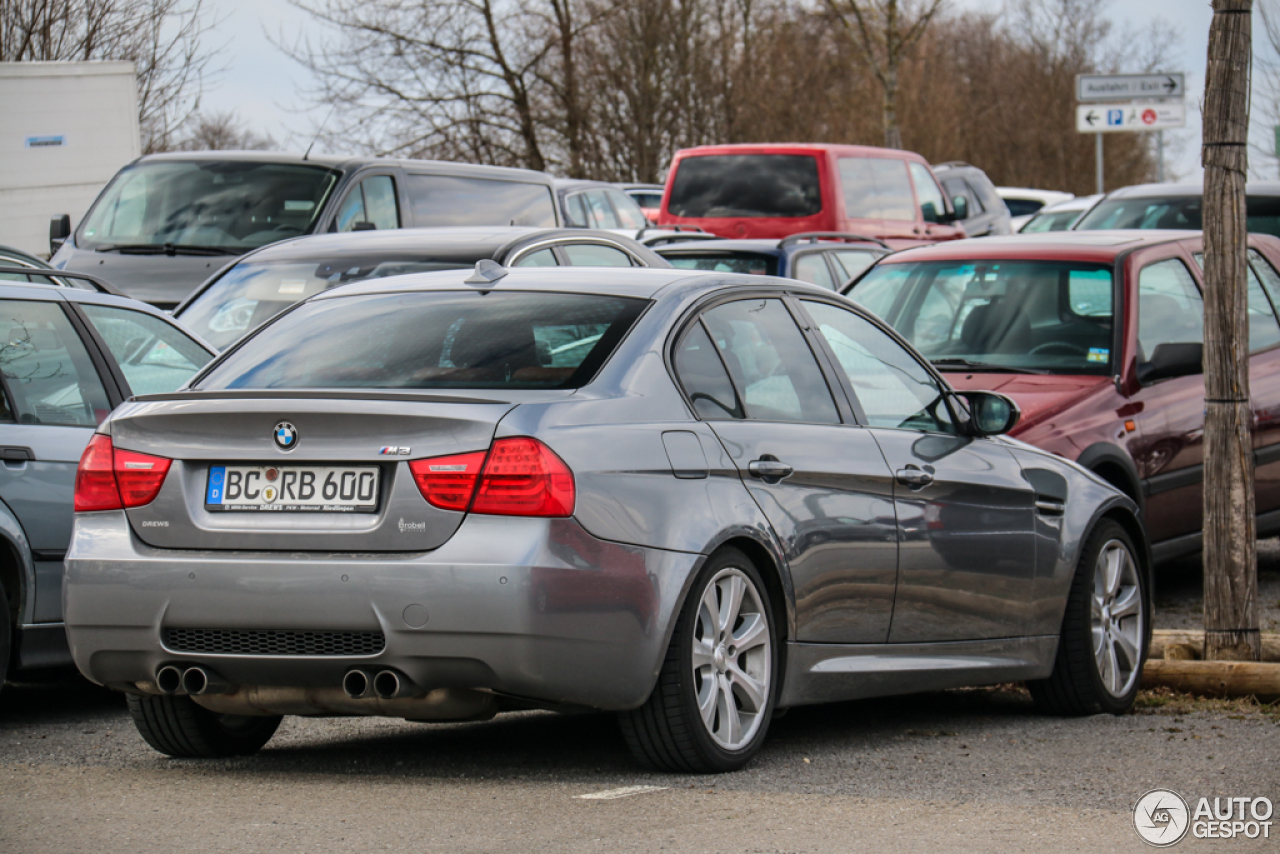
{"x":390,"y":685}
{"x":169,"y":679}
{"x":199,"y":680}
{"x":358,"y":684}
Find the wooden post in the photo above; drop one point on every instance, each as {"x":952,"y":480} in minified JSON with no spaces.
{"x":1230,"y":544}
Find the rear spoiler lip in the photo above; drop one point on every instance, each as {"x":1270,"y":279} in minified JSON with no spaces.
{"x":312,"y":394}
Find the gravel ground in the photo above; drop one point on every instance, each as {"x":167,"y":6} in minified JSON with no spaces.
{"x":1180,"y":591}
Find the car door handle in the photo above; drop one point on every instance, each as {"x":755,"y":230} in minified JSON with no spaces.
{"x":912,"y":476}
{"x":12,"y":454}
{"x":769,"y":470}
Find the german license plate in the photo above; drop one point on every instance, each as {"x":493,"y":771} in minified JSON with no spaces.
{"x":285,"y":489}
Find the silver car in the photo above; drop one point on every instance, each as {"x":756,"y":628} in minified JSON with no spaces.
{"x":690,"y":498}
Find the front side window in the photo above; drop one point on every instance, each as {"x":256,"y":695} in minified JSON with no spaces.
{"x":894,"y":389}
{"x":601,"y":212}
{"x":370,"y":205}
{"x":443,"y":200}
{"x":627,"y":209}
{"x":932,"y":207}
{"x":770,"y":362}
{"x":1264,"y":331}
{"x":441,"y":339}
{"x":877,"y":188}
{"x":154,"y":356}
{"x":1170,"y":308}
{"x":46,"y":367}
{"x":219,"y":204}
{"x":1048,"y":316}
{"x":746,"y":185}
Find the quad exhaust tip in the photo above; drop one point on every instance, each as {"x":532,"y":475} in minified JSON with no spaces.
{"x":199,"y":680}
{"x":390,"y":685}
{"x":169,"y":679}
{"x":358,"y":684}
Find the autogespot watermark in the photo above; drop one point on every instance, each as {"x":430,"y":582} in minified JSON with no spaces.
{"x":1163,"y":817}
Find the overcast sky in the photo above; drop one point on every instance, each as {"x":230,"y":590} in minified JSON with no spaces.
{"x":267,"y":89}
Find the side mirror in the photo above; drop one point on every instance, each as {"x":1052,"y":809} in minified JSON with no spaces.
{"x":961,"y":205}
{"x":1172,"y":360}
{"x":990,"y":414}
{"x":59,"y":231}
{"x":364,"y":226}
{"x":929,"y":213}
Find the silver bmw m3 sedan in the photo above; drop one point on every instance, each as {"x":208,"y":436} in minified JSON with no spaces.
{"x":689,"y":498}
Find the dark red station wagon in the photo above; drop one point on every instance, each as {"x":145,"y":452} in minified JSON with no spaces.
{"x":1098,"y":336}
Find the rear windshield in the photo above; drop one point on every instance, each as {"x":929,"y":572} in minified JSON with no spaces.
{"x":746,"y":185}
{"x":726,"y":262}
{"x":438,"y":340}
{"x":442,"y":200}
{"x":253,"y":292}
{"x":1022,"y":207}
{"x":1021,"y":316}
{"x":220,"y":204}
{"x":1176,"y":212}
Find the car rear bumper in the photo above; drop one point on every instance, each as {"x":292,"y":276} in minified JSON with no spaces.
{"x":534,"y":608}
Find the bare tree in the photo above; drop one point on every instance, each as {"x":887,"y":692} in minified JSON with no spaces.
{"x":165,"y":39}
{"x":222,"y":131}
{"x":884,"y":32}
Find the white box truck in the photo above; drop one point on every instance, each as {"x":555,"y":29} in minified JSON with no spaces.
{"x":67,"y":128}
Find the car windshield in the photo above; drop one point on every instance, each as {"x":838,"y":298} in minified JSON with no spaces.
{"x":726,"y":262}
{"x":1039,"y":316}
{"x":441,"y":339}
{"x":746,"y":185}
{"x":1051,"y":221}
{"x":231,"y":205}
{"x":1262,"y":213}
{"x":252,"y":292}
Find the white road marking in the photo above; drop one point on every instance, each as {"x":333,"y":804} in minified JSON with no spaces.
{"x":624,"y":792}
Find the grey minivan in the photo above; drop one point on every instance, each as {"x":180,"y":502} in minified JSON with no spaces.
{"x":687,"y":497}
{"x":166,"y":222}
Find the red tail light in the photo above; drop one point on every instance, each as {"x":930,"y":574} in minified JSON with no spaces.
{"x":523,"y":477}
{"x":448,"y":482}
{"x":516,"y":477}
{"x":111,"y":479}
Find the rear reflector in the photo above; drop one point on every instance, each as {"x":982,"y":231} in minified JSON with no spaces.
{"x":516,"y":477}
{"x":448,"y":482}
{"x":112,"y":479}
{"x":523,"y":477}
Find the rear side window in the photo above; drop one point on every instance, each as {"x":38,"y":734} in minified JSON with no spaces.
{"x":746,"y":185}
{"x":726,"y":262}
{"x":442,"y":200}
{"x":813,"y":268}
{"x":877,"y":188}
{"x":154,"y":356}
{"x":433,"y":340}
{"x":704,"y":379}
{"x":46,"y":367}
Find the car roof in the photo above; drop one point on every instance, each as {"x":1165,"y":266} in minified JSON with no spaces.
{"x":461,"y":241}
{"x":565,"y":185}
{"x":27,"y":257}
{"x":1033,"y":193}
{"x":618,"y":281}
{"x":347,"y":163}
{"x":1101,"y":246}
{"x":1253,"y":188}
{"x":760,"y":246}
{"x":801,"y":148}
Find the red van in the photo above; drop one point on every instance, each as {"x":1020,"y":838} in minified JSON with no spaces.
{"x":774,"y":190}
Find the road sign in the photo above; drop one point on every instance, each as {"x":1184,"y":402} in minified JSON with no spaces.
{"x":1106,"y":118}
{"x":1127,"y":87}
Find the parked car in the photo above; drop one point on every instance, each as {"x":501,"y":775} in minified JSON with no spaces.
{"x":595,"y":204}
{"x":1098,"y":336}
{"x":167,"y":222}
{"x":1178,"y":206}
{"x":67,"y":357}
{"x":978,"y":206}
{"x":443,"y":495}
{"x":263,"y":283}
{"x":19,"y":266}
{"x":829,"y":260}
{"x":647,"y":196}
{"x":1024,"y":202}
{"x":1061,"y":216}
{"x":774,"y":191}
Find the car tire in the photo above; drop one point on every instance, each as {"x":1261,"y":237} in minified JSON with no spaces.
{"x":179,"y":727}
{"x":1098,"y":667}
{"x":715,"y":659}
{"x":6,"y":637}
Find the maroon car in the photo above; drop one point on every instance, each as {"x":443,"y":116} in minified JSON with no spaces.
{"x":1098,"y":336}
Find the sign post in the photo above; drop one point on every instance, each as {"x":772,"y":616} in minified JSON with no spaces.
{"x":1142,"y":112}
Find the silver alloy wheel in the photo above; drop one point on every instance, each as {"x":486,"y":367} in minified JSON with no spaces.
{"x":1117,"y":618}
{"x":732,"y":658}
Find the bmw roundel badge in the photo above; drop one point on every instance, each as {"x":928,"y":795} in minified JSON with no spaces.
{"x":286,"y":436}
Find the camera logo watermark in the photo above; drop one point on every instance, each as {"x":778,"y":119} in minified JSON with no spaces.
{"x":1163,"y":818}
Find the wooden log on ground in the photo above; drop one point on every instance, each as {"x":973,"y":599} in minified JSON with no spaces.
{"x":1215,"y":678}
{"x":1161,"y":639}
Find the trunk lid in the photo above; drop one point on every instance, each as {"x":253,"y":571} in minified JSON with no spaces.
{"x":203,"y":430}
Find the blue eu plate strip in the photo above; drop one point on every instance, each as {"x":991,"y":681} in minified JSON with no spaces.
{"x":217,"y":477}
